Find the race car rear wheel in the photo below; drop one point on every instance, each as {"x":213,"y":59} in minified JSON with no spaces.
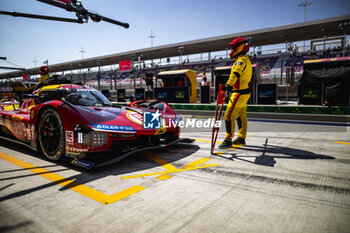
{"x":51,"y":135}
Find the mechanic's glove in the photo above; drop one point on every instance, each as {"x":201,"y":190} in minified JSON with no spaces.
{"x":229,"y":88}
{"x":227,"y":96}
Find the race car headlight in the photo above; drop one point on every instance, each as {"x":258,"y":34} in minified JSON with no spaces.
{"x":92,"y":138}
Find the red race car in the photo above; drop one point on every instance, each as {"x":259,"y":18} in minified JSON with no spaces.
{"x":62,"y":120}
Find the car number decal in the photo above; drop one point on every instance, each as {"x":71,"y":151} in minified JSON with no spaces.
{"x":135,"y":117}
{"x":69,"y":136}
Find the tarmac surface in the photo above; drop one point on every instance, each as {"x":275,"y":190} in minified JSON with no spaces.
{"x":299,"y":183}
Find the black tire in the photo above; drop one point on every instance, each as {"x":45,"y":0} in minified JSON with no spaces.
{"x":51,"y":135}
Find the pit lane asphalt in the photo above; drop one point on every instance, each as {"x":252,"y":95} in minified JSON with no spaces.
{"x":302,"y":184}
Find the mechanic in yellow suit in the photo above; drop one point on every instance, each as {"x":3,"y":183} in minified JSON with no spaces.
{"x":239,"y":89}
{"x":44,"y":77}
{"x":44,"y":73}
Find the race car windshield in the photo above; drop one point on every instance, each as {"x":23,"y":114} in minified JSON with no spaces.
{"x":88,"y":98}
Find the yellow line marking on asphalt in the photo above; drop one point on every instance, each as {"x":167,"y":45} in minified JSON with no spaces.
{"x":345,"y":143}
{"x":164,"y":177}
{"x":202,"y":140}
{"x":197,"y":163}
{"x":172,"y":169}
{"x":162,"y":163}
{"x":73,"y":185}
{"x":169,"y":167}
{"x":166,"y":172}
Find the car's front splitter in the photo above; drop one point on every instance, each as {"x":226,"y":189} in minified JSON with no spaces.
{"x":88,"y":165}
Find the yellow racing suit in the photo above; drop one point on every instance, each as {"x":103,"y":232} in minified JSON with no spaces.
{"x":240,"y":76}
{"x":44,"y":77}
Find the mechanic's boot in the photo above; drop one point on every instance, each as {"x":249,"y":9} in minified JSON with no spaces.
{"x":225,"y":144}
{"x":239,"y":141}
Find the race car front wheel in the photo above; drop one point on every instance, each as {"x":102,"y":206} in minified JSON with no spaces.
{"x":51,"y":135}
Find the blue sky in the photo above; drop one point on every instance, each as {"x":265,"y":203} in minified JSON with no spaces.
{"x":23,"y":39}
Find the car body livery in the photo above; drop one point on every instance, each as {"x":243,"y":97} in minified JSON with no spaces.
{"x":78,"y":122}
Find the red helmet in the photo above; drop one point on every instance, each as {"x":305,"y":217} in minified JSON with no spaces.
{"x":238,"y":45}
{"x":43,"y":70}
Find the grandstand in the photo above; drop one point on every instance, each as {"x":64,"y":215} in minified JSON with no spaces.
{"x":270,"y":66}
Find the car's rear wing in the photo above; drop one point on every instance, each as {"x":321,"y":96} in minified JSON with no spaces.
{"x":20,"y":87}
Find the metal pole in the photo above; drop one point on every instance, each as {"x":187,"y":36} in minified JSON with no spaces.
{"x":212,"y":75}
{"x":83,"y":12}
{"x":45,"y":17}
{"x":287,"y":81}
{"x":140,"y":68}
{"x":281,"y":71}
{"x":71,"y":74}
{"x":80,"y":77}
{"x":133,"y":69}
{"x":157,"y":74}
{"x":180,"y":49}
{"x":111,"y":82}
{"x":35,"y":61}
{"x":304,"y":23}
{"x":98,"y":75}
{"x":82,"y":53}
{"x":344,"y":40}
{"x":304,"y":4}
{"x":115,"y":79}
{"x":152,"y":37}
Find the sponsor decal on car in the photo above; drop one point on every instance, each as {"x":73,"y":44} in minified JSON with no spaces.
{"x":78,"y":150}
{"x":82,"y":163}
{"x":69,"y":136}
{"x":119,"y":128}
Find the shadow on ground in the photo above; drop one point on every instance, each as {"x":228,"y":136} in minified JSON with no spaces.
{"x":267,"y":156}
